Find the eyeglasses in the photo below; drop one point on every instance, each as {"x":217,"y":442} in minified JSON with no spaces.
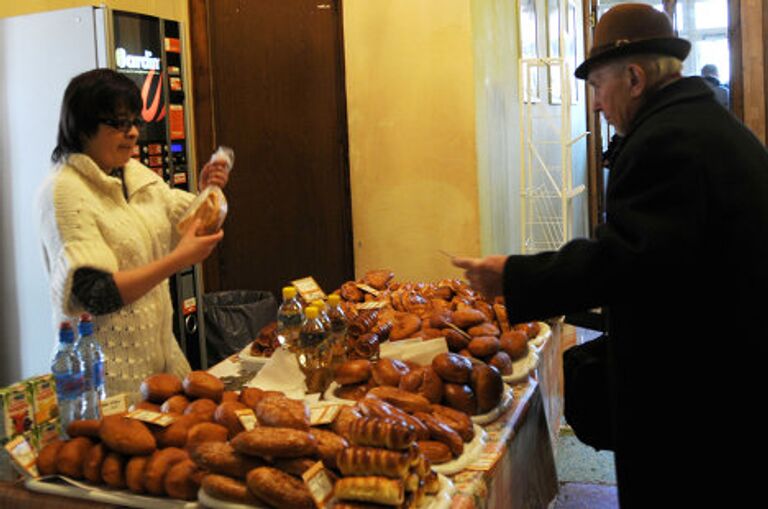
{"x":123,"y":124}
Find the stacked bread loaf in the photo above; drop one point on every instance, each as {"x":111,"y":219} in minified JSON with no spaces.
{"x":384,"y":465}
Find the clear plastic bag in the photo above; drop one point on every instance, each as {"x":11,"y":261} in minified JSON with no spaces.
{"x":210,"y":206}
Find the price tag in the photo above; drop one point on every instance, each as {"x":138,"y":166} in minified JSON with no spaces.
{"x":308,"y":289}
{"x":371,"y":304}
{"x":373,"y":291}
{"x":152,"y":417}
{"x":319,"y":482}
{"x":323,"y":414}
{"x":112,"y":405}
{"x":23,"y":455}
{"x":247,"y":418}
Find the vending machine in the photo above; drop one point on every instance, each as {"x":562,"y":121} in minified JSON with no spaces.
{"x":39,"y":54}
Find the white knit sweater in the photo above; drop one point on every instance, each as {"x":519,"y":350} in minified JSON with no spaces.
{"x":86,"y":222}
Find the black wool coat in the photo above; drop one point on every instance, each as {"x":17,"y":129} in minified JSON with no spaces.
{"x":681,"y":267}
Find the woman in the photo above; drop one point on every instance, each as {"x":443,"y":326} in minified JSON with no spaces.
{"x":108,"y":231}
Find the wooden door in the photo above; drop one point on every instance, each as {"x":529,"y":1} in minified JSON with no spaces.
{"x":269,"y":79}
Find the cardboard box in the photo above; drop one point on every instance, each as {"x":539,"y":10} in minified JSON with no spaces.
{"x":16,"y":410}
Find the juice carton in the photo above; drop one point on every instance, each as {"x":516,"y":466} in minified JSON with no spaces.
{"x":43,"y":394}
{"x":16,"y":410}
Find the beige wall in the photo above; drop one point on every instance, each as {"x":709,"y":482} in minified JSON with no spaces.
{"x":170,"y":9}
{"x":753,"y":46}
{"x":410,"y":106}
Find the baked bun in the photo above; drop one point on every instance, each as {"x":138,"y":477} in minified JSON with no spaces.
{"x":175,"y":404}
{"x":93,"y":462}
{"x":425,"y":382}
{"x":484,"y":329}
{"x":467,"y":317}
{"x":157,"y":388}
{"x":488,"y":387}
{"x":531,"y":329}
{"x":389,"y":371}
{"x":176,"y":434}
{"x":452,"y":367}
{"x":201,"y":384}
{"x":71,"y":457}
{"x":354,"y":392}
{"x":502,"y":362}
{"x":181,"y":482}
{"x":209,"y":211}
{"x":279,"y":489}
{"x":275,"y":443}
{"x":158,"y":466}
{"x":226,"y":416}
{"x":84,"y":428}
{"x":279,"y":411}
{"x":483,"y":346}
{"x":46,"y":459}
{"x":515,"y":343}
{"x":204,"y":408}
{"x":461,"y":397}
{"x":126,"y":436}
{"x":221,"y":458}
{"x":113,"y":470}
{"x":405,"y":326}
{"x":404,"y":400}
{"x":250,"y":396}
{"x":353,"y":372}
{"x":134,"y":474}
{"x":455,"y":339}
{"x":227,"y":489}
{"x":205,"y":432}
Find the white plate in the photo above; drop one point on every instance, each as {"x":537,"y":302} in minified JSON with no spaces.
{"x":545,"y":332}
{"x":55,"y":485}
{"x":522,"y":368}
{"x":506,"y":400}
{"x":472,"y":451}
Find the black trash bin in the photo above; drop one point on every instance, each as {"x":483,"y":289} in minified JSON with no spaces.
{"x":233,"y":319}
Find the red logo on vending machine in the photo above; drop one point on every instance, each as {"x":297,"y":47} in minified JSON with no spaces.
{"x":153,"y":84}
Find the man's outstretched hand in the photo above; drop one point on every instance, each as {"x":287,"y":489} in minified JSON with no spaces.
{"x":484,"y":274}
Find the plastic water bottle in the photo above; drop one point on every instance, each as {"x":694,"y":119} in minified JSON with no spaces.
{"x":89,"y":350}
{"x":67,"y":371}
{"x":290,"y":317}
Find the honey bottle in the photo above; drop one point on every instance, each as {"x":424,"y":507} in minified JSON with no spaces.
{"x":314,"y":353}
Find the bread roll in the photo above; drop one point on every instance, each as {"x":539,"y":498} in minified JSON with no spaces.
{"x":424,"y":382}
{"x":158,"y":466}
{"x":226,"y":416}
{"x":279,"y":489}
{"x":468,"y":317}
{"x":158,"y":388}
{"x":357,"y":461}
{"x":71,"y":457}
{"x":203,"y":408}
{"x":225,"y":488}
{"x":175,"y":404}
{"x":502,"y":362}
{"x":376,"y":432}
{"x":452,"y":367}
{"x":353,"y":372}
{"x":134,"y":474}
{"x":484,"y":329}
{"x":436,"y":452}
{"x":404,"y":400}
{"x":205,"y":432}
{"x":180,"y":482}
{"x":201,"y":384}
{"x":113,"y":470}
{"x":279,"y":411}
{"x":442,"y":433}
{"x":92,"y":464}
{"x":483,"y":346}
{"x":461,"y":397}
{"x":126,"y":436}
{"x":329,"y":444}
{"x":389,"y":371}
{"x":222,"y":458}
{"x":275,"y":443}
{"x":176,"y":434}
{"x":488,"y":387}
{"x":456,"y":419}
{"x":46,"y":459}
{"x":514,"y":343}
{"x":376,"y":489}
{"x":84,"y":428}
{"x":250,"y":396}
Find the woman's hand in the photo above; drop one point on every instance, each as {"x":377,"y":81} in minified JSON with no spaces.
{"x":214,"y":173}
{"x":193,"y":248}
{"x":484,"y":274}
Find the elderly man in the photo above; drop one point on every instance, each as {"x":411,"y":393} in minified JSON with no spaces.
{"x":680,"y":268}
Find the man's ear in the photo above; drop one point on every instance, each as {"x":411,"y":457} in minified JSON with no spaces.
{"x":637,"y":80}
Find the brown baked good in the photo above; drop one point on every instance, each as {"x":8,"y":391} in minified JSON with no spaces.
{"x":461,"y":397}
{"x":515,"y":343}
{"x":531,"y":329}
{"x":84,"y":428}
{"x":353,"y":392}
{"x":358,"y":460}
{"x":294,"y":466}
{"x":502,"y":362}
{"x":205,"y":432}
{"x":377,"y":432}
{"x":375,"y":407}
{"x":488,"y":387}
{"x":459,"y":421}
{"x":250,"y":396}
{"x":452,"y":367}
{"x":134,"y":474}
{"x":425,"y":382}
{"x":126,"y":436}
{"x":376,"y":489}
{"x":442,"y":432}
{"x":353,"y":372}
{"x":404,"y":400}
{"x":204,"y":408}
{"x":230,"y":396}
{"x":467,"y":317}
{"x":159,"y":387}
{"x":279,"y":489}
{"x":176,"y":434}
{"x":92,"y":464}
{"x":113,"y":470}
{"x":436,"y":452}
{"x":388,"y":371}
{"x":180,"y":482}
{"x":282,"y":412}
{"x":455,"y":339}
{"x":71,"y":457}
{"x":483,"y":346}
{"x":201,"y":384}
{"x":225,"y":488}
{"x":345,"y":417}
{"x":144,"y":405}
{"x":404,"y":326}
{"x":226,"y":416}
{"x":329,"y":444}
{"x":440,"y":319}
{"x":222,"y":458}
{"x":46,"y":459}
{"x":378,"y":279}
{"x":484,"y":329}
{"x":175,"y":404}
{"x":158,"y":466}
{"x":349,"y":291}
{"x":275,"y":442}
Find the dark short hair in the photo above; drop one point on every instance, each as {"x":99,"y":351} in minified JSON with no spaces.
{"x":90,"y":97}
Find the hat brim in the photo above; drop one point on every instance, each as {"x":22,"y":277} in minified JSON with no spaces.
{"x":672,"y":46}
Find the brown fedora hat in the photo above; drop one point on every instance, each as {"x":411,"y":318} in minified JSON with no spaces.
{"x":630,"y":29}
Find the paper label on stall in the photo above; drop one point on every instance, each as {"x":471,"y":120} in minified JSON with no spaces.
{"x":308,"y":289}
{"x":319,"y":482}
{"x":112,"y":405}
{"x":152,"y":417}
{"x":323,"y":414}
{"x":371,"y":304}
{"x":369,"y":289}
{"x":247,"y":418}
{"x":23,"y":455}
